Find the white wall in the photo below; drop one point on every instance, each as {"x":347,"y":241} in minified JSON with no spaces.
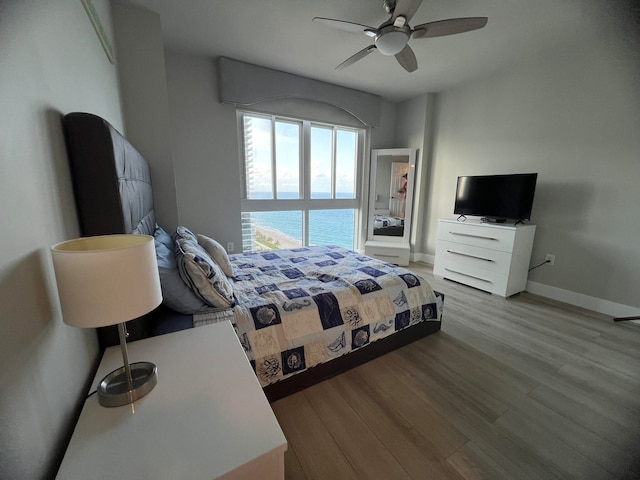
{"x":51,"y":63}
{"x":572,"y":114}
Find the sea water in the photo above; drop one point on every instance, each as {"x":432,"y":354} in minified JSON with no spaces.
{"x":326,"y":227}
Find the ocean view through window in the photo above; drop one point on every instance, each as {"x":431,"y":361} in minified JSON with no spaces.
{"x":300,"y":182}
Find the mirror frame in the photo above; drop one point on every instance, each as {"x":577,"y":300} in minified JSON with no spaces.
{"x":410,"y":153}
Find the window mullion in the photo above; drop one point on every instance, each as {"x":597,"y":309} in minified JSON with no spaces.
{"x":274,"y":174}
{"x":305,"y":227}
{"x":242,"y":148}
{"x":306,"y":179}
{"x":306,"y":160}
{"x":334,"y":146}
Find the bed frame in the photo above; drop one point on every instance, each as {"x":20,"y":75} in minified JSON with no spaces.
{"x":113,"y":193}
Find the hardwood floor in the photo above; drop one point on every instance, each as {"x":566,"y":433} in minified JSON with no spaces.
{"x":513,"y":388}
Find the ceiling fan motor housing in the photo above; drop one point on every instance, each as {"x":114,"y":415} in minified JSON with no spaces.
{"x":392,"y":40}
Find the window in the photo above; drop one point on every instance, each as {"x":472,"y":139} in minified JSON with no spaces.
{"x":300,"y":182}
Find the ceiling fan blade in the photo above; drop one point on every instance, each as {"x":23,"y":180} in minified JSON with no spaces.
{"x":358,"y":56}
{"x":448,"y":27}
{"x":344,"y":25}
{"x":407,"y":59}
{"x":406,"y":9}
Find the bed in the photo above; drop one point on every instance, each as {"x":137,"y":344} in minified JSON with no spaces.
{"x":301,"y":315}
{"x":388,"y":225}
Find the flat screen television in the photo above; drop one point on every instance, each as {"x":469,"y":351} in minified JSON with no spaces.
{"x":497,"y":198}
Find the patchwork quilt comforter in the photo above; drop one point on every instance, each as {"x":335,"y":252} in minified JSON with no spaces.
{"x":301,"y":307}
{"x":380,"y":221}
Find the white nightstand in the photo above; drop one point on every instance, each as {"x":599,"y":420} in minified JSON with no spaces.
{"x":206,"y":418}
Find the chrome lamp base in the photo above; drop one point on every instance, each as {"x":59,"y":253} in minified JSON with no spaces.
{"x":128,"y":383}
{"x":114,"y":390}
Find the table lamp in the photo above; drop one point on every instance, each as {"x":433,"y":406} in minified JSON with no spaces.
{"x":108,"y":280}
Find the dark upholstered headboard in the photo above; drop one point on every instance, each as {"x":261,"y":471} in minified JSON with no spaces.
{"x":111,"y":180}
{"x":112,"y":189}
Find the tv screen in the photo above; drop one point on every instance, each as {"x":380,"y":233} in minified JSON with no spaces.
{"x":496,"y":197}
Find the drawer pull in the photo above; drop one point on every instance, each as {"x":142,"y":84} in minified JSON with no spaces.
{"x":469,"y":255}
{"x":385,"y":256}
{"x":467,"y":275}
{"x":474,"y":236}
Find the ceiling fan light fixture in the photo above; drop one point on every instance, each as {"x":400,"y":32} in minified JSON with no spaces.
{"x":392,"y":42}
{"x":391,"y":38}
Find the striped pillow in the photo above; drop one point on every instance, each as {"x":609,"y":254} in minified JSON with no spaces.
{"x":202,"y":274}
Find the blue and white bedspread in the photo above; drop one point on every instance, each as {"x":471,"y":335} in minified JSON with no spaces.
{"x":301,"y":307}
{"x":381,"y":221}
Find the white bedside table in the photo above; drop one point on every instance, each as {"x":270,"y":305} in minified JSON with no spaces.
{"x":206,"y":418}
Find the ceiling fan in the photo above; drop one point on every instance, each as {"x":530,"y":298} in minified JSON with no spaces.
{"x":392,"y":37}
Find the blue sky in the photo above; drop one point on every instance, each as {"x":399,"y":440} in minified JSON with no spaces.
{"x":288,"y":138}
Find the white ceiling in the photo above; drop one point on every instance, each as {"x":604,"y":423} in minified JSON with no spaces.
{"x":280,"y":34}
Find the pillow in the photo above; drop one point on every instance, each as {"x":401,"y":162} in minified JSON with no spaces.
{"x":202,"y":274}
{"x":163,"y":237}
{"x":217,"y":253}
{"x":175,"y":293}
{"x":185,"y":234}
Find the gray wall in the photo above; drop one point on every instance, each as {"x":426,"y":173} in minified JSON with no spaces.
{"x":205,"y":144}
{"x":205,"y":150}
{"x":412,"y":131}
{"x":572,"y":114}
{"x":569,"y":112}
{"x":540,"y":114}
{"x":383,"y":136}
{"x":52,"y":63}
{"x":143,"y":87}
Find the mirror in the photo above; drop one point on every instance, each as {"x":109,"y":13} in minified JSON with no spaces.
{"x":391,"y":194}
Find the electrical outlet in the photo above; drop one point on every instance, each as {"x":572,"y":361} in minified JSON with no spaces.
{"x":230,"y":247}
{"x":550,"y":258}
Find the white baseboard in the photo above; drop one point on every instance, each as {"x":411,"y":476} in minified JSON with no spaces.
{"x":585,"y":301}
{"x":422,"y":257}
{"x":567,"y":296}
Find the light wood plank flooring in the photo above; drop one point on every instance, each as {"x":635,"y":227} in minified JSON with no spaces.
{"x":509,"y":389}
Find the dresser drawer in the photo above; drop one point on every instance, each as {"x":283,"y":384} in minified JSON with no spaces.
{"x":469,"y":256}
{"x":489,"y":283}
{"x":478,"y":235}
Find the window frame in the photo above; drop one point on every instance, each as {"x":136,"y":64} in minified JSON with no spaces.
{"x":305,"y":203}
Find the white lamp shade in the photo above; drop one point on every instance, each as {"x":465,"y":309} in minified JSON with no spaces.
{"x":107,"y":279}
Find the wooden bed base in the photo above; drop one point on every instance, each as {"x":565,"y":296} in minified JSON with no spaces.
{"x":339,"y":365}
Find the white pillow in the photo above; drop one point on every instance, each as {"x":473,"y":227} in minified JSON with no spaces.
{"x":217,"y":253}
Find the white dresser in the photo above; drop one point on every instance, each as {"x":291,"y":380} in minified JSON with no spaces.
{"x":206,"y":418}
{"x":491,"y":257}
